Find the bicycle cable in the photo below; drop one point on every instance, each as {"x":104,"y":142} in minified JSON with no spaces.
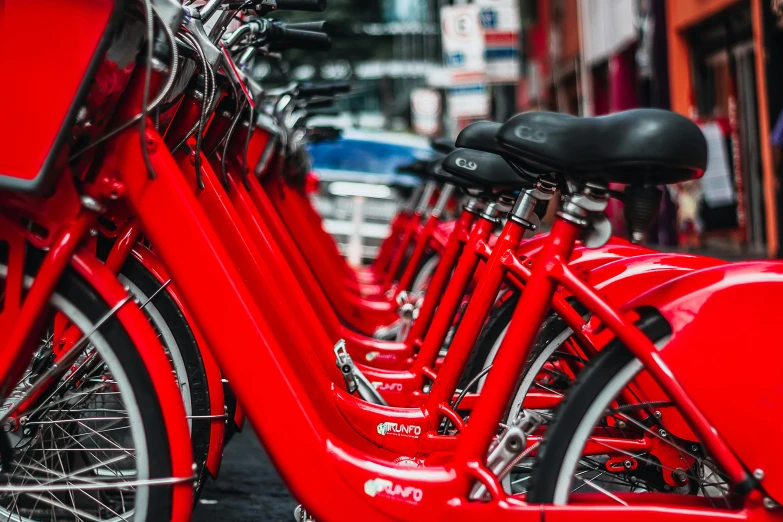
{"x":150,"y":17}
{"x":155,"y":103}
{"x":206,"y":103}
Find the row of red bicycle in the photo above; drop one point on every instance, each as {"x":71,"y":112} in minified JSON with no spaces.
{"x":154,"y":223}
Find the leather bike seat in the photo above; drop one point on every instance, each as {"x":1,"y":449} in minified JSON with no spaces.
{"x":640,"y":146}
{"x":489,"y":171}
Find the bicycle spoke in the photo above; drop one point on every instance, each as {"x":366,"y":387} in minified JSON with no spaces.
{"x":602,"y":490}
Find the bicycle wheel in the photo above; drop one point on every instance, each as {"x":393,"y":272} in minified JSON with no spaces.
{"x":488,"y":342}
{"x":592,"y":413}
{"x":547,"y":348}
{"x":542,"y":373}
{"x":93,"y":444}
{"x":422,"y":280}
{"x":177,"y":340}
{"x":421,"y":283}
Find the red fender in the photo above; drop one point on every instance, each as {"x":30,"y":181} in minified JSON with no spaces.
{"x":723,"y":322}
{"x":584,"y":260}
{"x":239,"y":417}
{"x":157,"y":363}
{"x":624,"y":279}
{"x":217,"y":402}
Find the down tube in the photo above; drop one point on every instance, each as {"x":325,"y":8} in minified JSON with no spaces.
{"x":251,"y":358}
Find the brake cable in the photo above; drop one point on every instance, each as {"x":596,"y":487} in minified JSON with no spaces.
{"x":247,"y":146}
{"x":150,"y":17}
{"x":206,"y":103}
{"x":155,"y":103}
{"x":227,"y":139}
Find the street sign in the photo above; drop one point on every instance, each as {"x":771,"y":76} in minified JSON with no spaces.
{"x":500,"y":24}
{"x":469,"y":101}
{"x":425,"y":111}
{"x":463,"y":43}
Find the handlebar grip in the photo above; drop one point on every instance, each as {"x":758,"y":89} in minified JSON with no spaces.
{"x":325,"y":129}
{"x":321,"y":112}
{"x":323,"y":133}
{"x":319,"y":103}
{"x":443,"y":145}
{"x":318,"y":27}
{"x":324,"y":88}
{"x":302,"y":5}
{"x":286,"y":38}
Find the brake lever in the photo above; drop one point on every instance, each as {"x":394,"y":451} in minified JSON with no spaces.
{"x":235,"y":76}
{"x":207,"y":10}
{"x":194,"y":24}
{"x":170,"y":12}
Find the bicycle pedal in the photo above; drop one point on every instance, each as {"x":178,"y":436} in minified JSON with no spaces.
{"x":301,"y":515}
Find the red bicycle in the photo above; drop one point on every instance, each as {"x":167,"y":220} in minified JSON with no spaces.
{"x":188,"y":212}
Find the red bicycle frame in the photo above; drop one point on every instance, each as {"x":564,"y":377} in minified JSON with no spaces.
{"x":301,"y":428}
{"x":19,"y":317}
{"x":345,"y":471}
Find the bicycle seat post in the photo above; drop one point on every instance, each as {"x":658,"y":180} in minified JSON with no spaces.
{"x":585,"y":207}
{"x":525,"y":205}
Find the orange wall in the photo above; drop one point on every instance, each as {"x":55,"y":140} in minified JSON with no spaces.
{"x":570,"y":30}
{"x":681,"y":14}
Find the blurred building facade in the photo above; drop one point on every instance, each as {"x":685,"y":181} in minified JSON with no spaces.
{"x":712,"y":60}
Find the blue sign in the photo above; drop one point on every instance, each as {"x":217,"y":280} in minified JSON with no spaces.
{"x":500,"y":53}
{"x":489,"y":18}
{"x":456,"y":59}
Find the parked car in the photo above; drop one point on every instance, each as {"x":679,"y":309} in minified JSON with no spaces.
{"x":359,"y":185}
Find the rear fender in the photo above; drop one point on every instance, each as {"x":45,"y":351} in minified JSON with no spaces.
{"x":621,"y":281}
{"x":624,"y":279}
{"x":584,"y":259}
{"x":103,"y":281}
{"x":723,"y":322}
{"x":217,"y":402}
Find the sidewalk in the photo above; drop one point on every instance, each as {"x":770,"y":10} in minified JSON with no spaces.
{"x":248,"y":489}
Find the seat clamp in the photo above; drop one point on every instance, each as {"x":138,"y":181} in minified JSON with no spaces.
{"x":473,"y":206}
{"x":490,"y":213}
{"x":573,"y":212}
{"x":582,"y":222}
{"x":522,"y":222}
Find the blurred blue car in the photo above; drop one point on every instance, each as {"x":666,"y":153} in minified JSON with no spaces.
{"x":364,"y":163}
{"x":369,"y":157}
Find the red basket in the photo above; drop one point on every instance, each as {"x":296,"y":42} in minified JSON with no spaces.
{"x":49,"y":52}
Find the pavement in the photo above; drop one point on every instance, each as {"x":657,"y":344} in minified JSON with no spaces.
{"x":248,"y":488}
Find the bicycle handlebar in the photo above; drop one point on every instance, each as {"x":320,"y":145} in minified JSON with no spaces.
{"x":318,"y":27}
{"x":301,"y":5}
{"x":324,"y":88}
{"x":319,"y":103}
{"x":208,"y":9}
{"x":283,"y":37}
